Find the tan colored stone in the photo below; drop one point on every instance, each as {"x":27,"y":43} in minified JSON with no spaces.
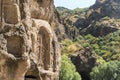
{"x":11,"y":14}
{"x":28,"y":45}
{"x":0,"y":11}
{"x":7,"y":1}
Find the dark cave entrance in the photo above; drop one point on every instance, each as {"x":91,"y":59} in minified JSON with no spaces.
{"x":32,"y":73}
{"x":30,"y":77}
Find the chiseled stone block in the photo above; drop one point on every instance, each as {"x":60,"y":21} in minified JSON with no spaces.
{"x":11,"y":14}
{"x":7,"y":1}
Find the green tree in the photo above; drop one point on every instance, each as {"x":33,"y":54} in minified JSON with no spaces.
{"x":107,"y":71}
{"x":76,"y":76}
{"x":68,"y":70}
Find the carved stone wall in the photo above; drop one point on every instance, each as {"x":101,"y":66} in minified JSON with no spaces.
{"x":29,"y":49}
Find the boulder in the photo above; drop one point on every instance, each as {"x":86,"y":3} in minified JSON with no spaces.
{"x":84,"y":61}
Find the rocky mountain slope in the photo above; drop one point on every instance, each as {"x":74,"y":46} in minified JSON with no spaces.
{"x":29,"y":49}
{"x":68,"y":18}
{"x":100,"y":19}
{"x":88,"y":51}
{"x":93,"y":36}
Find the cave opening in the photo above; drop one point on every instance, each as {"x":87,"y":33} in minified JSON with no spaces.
{"x":30,"y":77}
{"x":32,"y":73}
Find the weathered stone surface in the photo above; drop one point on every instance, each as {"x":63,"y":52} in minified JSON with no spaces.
{"x":11,"y":14}
{"x":29,"y":49}
{"x":84,"y":61}
{"x":108,"y":8}
{"x":45,"y":12}
{"x":100,"y":19}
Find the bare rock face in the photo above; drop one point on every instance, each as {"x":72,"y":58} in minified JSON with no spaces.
{"x":70,"y":29}
{"x":110,"y":8}
{"x":29,"y":49}
{"x":84,"y":61}
{"x":101,"y":19}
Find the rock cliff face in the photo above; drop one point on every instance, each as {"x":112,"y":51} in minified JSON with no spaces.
{"x":70,"y":30}
{"x":108,"y":8}
{"x":28,"y":45}
{"x":86,"y":21}
{"x":84,"y":61}
{"x":96,"y":13}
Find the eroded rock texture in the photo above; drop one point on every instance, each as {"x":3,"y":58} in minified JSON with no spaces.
{"x":28,"y":46}
{"x":100,"y":19}
{"x":84,"y":61}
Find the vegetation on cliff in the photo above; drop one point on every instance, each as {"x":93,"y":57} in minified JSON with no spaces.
{"x":106,"y":71}
{"x":95,"y":33}
{"x":64,"y":12}
{"x":106,"y":49}
{"x":68,"y":70}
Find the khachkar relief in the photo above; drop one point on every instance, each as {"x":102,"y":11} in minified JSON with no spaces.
{"x":28,"y":47}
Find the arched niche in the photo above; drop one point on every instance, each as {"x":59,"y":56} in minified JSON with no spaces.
{"x":43,"y":48}
{"x":14,"y":46}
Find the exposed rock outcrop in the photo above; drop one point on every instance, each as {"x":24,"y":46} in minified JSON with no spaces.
{"x":84,"y":61}
{"x":94,"y":16}
{"x":68,"y":18}
{"x":101,"y":27}
{"x":108,"y":8}
{"x":70,"y":30}
{"x":29,"y":49}
{"x":85,"y":21}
